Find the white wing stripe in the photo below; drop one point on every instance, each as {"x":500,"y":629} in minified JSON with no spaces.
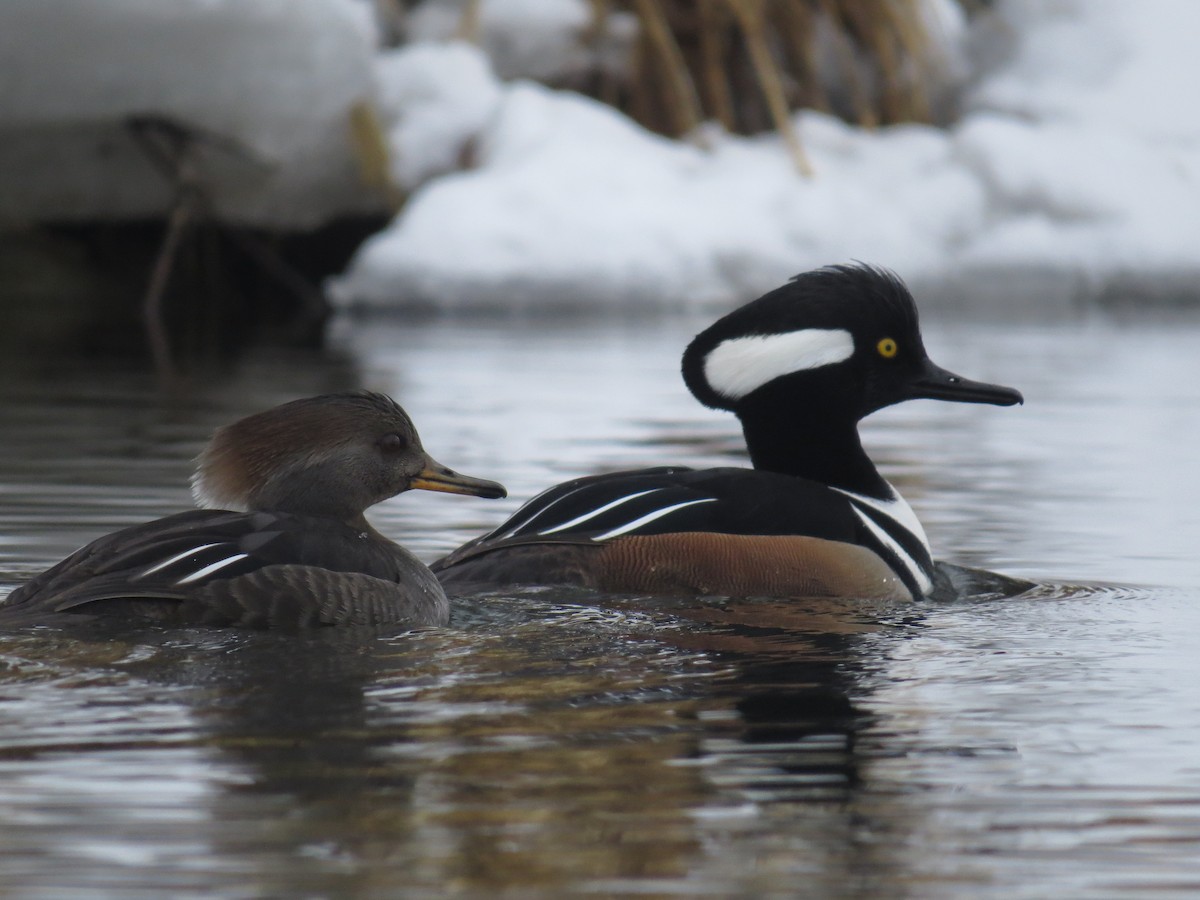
{"x":529,"y":517}
{"x":591,"y":514}
{"x":174,"y":559}
{"x":209,"y":569}
{"x":648,"y":518}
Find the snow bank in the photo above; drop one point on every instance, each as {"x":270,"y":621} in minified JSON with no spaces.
{"x":277,"y":78}
{"x":574,"y":205}
{"x":1076,"y":165}
{"x":1088,"y":142}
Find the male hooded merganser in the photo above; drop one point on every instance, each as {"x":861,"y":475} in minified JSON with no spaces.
{"x":296,"y":552}
{"x":799,"y":367}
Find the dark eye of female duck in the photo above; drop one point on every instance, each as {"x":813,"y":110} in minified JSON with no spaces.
{"x":391,"y":443}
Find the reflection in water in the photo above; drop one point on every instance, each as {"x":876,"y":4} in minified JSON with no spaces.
{"x":541,"y":745}
{"x":560,"y":742}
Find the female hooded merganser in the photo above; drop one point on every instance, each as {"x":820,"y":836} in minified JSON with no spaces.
{"x":297,"y":552}
{"x":799,"y":367}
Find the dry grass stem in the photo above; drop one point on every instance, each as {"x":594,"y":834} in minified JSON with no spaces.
{"x":750,"y":64}
{"x":751,"y":15}
{"x":683,"y":105}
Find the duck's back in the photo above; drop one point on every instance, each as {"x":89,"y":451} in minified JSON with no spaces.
{"x":679,"y":530}
{"x":257,"y":569}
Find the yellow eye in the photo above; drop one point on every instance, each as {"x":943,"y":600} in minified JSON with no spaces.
{"x":887,"y":348}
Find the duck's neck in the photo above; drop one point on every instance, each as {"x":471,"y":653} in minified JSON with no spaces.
{"x":816,"y":447}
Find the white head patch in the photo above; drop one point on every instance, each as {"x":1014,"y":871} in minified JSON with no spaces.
{"x":738,"y":366}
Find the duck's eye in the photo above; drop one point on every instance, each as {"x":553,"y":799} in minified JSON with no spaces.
{"x":887,"y":348}
{"x":391,"y":443}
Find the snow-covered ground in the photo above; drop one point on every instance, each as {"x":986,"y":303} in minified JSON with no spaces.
{"x":1072,"y":175}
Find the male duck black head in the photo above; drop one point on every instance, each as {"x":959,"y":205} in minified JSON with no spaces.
{"x":291,"y":546}
{"x":799,"y":367}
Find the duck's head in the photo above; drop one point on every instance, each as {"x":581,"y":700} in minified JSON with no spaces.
{"x":333,"y":455}
{"x":844,"y":339}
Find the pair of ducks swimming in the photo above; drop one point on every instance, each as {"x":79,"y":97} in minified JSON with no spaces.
{"x":799,"y":367}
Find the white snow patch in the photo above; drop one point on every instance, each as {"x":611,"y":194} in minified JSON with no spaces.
{"x":548,"y":40}
{"x":436,"y":99}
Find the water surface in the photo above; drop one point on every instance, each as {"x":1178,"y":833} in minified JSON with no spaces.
{"x":552,"y":743}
